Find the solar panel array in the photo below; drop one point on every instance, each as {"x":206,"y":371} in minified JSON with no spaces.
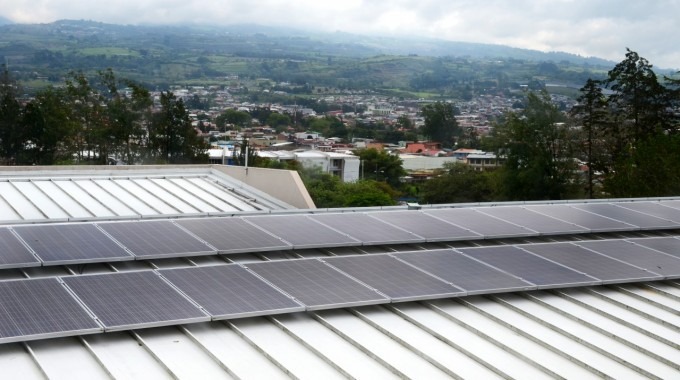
{"x":82,"y":243}
{"x":75,"y":305}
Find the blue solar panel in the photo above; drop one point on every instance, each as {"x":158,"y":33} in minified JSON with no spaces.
{"x":529,"y":267}
{"x":637,"y":255}
{"x":301,"y":231}
{"x":483,"y":224}
{"x":233,"y":235}
{"x":534,"y":221}
{"x":127,"y":300}
{"x":625,"y":215}
{"x":230,"y":291}
{"x":366,"y":229}
{"x":13,"y":254}
{"x":394,"y":278}
{"x":591,"y":263}
{"x":424,"y":225}
{"x":593,"y":222}
{"x":41,"y":308}
{"x":464,"y":272}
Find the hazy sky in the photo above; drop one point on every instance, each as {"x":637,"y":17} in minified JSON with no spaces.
{"x":601,"y":28}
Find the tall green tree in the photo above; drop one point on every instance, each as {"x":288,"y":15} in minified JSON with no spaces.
{"x":172,"y":139}
{"x":440,"y":123}
{"x":538,"y":154}
{"x":592,"y":113}
{"x":458,"y":183}
{"x":12,"y":134}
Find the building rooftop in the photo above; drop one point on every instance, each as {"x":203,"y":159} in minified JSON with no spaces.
{"x":623,"y":328}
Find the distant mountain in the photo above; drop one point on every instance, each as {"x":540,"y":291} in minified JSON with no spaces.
{"x":5,"y":21}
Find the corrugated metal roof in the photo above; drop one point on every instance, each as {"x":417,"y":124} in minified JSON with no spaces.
{"x":616,"y":331}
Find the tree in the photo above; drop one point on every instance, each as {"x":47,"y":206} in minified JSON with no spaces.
{"x":440,"y":123}
{"x":328,"y":191}
{"x":234,"y":117}
{"x":538,"y":153}
{"x":379,"y":165}
{"x":593,"y":114}
{"x":172,"y":139}
{"x":457,"y":183}
{"x":12,"y":135}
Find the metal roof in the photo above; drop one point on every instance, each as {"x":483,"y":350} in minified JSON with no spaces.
{"x":616,"y":331}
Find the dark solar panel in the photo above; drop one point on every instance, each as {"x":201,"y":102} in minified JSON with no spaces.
{"x":366,"y":229}
{"x":425,"y":225}
{"x":155,"y":239}
{"x":627,"y":216}
{"x":230,"y":291}
{"x":534,"y":221}
{"x":667,"y":245}
{"x":593,"y":222}
{"x":40,"y":308}
{"x":482,"y":224}
{"x":71,"y":244}
{"x":232,"y":235}
{"x":13,"y":254}
{"x":127,"y":300}
{"x":591,"y":263}
{"x":316,"y":284}
{"x":529,"y":267}
{"x":396,"y":279}
{"x":637,"y":255}
{"x":654,"y":209}
{"x":301,"y":231}
{"x":464,"y":272}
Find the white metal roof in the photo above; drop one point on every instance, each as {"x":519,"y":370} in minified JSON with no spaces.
{"x":618,"y":331}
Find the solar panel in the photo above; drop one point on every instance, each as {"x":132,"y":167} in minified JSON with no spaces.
{"x":534,"y":221}
{"x":232,"y":235}
{"x":483,"y":224}
{"x":593,"y":264}
{"x":627,"y":216}
{"x":301,"y":231}
{"x":667,"y":245}
{"x":230,"y":291}
{"x":637,"y":255}
{"x":531,"y":268}
{"x":366,"y":229}
{"x":464,"y":272}
{"x":71,"y":244}
{"x":316,"y":284}
{"x":40,"y":308}
{"x":156,"y":239}
{"x":593,"y":222}
{"x":654,"y":209}
{"x":126,"y":300}
{"x":394,"y":278}
{"x":13,"y":254}
{"x":424,"y":225}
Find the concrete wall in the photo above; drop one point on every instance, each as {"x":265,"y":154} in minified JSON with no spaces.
{"x":285,"y":185}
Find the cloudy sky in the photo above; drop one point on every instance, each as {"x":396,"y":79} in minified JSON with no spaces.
{"x":601,"y":28}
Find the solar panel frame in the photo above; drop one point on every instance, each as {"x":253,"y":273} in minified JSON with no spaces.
{"x":585,"y":219}
{"x":545,"y":274}
{"x":41,"y":308}
{"x":156,"y":239}
{"x":367,"y":230}
{"x":427,"y":226}
{"x":642,"y":221}
{"x":607,"y":269}
{"x":301,"y":231}
{"x":135,"y":299}
{"x":65,"y":244}
{"x":14,"y":253}
{"x":218,"y":288}
{"x":394,"y":278}
{"x":233,"y":235}
{"x":483,"y":224}
{"x":637,"y":255}
{"x":473,"y":276}
{"x":543,"y":224}
{"x":316,"y":284}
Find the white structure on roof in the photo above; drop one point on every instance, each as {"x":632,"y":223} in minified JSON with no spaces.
{"x":344,"y":166}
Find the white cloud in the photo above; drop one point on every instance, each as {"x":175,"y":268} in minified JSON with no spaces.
{"x":602,"y":28}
